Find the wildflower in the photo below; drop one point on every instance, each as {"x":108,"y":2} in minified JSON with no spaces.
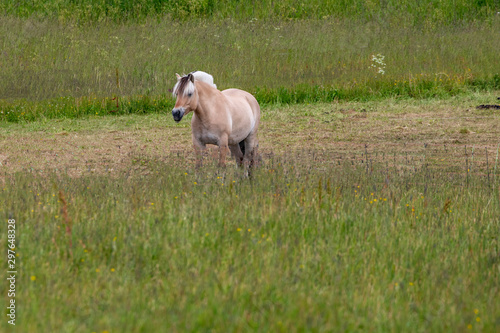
{"x":33,"y":278}
{"x":97,"y":270}
{"x":478,"y":319}
{"x":469,"y":326}
{"x":249,"y":230}
{"x":112,"y":269}
{"x":476,"y":311}
{"x":239,"y":229}
{"x":411,"y":283}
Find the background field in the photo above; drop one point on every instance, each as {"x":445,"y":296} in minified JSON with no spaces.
{"x":376,"y":206}
{"x":393,"y":52}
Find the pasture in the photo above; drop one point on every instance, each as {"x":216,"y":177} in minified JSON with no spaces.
{"x":375,"y":207}
{"x":377,"y":216}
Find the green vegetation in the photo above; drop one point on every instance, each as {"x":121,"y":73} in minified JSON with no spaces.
{"x":314,"y":242}
{"x":406,"y":11}
{"x":280,"y":62}
{"x":116,"y":232}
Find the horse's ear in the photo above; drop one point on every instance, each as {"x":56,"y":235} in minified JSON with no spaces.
{"x":178,"y":76}
{"x":191,"y":77}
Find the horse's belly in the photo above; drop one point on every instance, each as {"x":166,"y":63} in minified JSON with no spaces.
{"x":208,"y":138}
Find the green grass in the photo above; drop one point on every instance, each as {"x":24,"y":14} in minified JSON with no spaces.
{"x":410,"y":12}
{"x":301,"y":61}
{"x":317,"y":240}
{"x":311,"y":243}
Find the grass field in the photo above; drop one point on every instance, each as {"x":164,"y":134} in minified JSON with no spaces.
{"x":386,"y":220}
{"x":55,"y":70}
{"x":376,"y":206}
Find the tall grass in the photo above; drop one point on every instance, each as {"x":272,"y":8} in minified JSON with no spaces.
{"x":407,"y":11}
{"x":312,"y":243}
{"x":279,"y":61}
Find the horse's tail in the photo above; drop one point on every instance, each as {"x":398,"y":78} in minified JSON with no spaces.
{"x":205,"y":77}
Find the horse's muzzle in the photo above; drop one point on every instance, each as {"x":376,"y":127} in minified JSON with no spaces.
{"x":178,"y":114}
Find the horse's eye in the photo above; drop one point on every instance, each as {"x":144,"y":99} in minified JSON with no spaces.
{"x":190,"y":94}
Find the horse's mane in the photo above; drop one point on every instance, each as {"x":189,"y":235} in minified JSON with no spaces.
{"x":185,"y":85}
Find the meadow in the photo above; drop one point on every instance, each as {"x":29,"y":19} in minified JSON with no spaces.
{"x":389,"y":231}
{"x":376,"y":206}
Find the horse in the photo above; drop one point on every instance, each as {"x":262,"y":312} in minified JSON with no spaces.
{"x":228,"y":118}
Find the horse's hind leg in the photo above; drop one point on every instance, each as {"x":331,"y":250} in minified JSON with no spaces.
{"x":237,"y":153}
{"x":251,"y":144}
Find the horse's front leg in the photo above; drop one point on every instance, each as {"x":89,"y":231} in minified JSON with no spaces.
{"x":199,"y":147}
{"x":223,"y":149}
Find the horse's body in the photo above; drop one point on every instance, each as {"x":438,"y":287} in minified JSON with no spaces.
{"x":228,"y":118}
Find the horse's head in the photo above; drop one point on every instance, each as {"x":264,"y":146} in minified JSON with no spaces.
{"x":187,"y":96}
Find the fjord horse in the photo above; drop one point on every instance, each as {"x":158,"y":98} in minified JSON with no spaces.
{"x":228,"y":118}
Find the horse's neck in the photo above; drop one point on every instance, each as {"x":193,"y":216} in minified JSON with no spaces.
{"x":205,"y":109}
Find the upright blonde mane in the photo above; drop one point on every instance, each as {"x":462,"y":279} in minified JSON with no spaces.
{"x":185,"y":84}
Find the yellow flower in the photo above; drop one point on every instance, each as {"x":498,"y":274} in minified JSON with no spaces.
{"x":33,"y":278}
{"x":476,"y":311}
{"x":249,"y":230}
{"x":478,"y":319}
{"x":112,"y":269}
{"x":239,"y":229}
{"x":469,"y":326}
{"x":411,"y":283}
{"x":97,"y":270}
